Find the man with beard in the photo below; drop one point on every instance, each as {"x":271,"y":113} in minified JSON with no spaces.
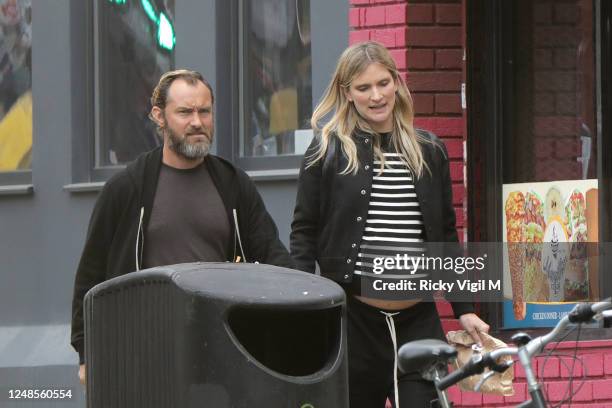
{"x":175,"y":204}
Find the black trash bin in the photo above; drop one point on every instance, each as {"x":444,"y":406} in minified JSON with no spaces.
{"x":216,"y":335}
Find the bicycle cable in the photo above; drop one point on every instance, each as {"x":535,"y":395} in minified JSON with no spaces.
{"x":569,"y":392}
{"x":571,"y":373}
{"x":550,"y":353}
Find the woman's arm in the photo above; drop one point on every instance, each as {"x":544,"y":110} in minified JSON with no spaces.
{"x":306,"y":216}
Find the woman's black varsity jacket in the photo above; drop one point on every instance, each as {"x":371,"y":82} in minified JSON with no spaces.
{"x":331,"y":208}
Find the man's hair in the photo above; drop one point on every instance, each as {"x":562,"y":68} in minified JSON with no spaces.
{"x":160,"y":93}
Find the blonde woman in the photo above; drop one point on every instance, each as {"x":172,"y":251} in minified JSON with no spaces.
{"x":373,"y":187}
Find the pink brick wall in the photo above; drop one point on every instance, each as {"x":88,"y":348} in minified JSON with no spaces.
{"x":595,"y":391}
{"x":425,"y":39}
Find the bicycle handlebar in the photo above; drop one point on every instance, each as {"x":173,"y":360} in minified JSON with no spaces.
{"x":476,"y":365}
{"x":466,"y":371}
{"x":582,"y":313}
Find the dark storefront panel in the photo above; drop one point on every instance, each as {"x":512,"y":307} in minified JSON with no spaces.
{"x":551,"y":133}
{"x":536,"y":141}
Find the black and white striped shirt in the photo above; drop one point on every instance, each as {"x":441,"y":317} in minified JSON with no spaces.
{"x":394,"y":224}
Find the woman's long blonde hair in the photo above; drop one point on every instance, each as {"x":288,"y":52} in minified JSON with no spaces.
{"x":346,"y":120}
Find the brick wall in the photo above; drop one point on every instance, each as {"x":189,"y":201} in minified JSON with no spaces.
{"x":595,"y":391}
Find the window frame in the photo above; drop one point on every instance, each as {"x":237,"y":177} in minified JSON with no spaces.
{"x":19,"y":182}
{"x":16,"y":182}
{"x":603,"y":10}
{"x":87,"y":175}
{"x":229,"y":71}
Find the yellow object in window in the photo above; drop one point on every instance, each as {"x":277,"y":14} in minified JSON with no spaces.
{"x":283,"y":111}
{"x":16,"y":135}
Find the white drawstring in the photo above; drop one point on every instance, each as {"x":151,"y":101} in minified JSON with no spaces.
{"x":138,"y":237}
{"x":391,"y":325}
{"x":238,"y":233}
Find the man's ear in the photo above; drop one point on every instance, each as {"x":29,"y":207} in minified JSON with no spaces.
{"x":158,"y":116}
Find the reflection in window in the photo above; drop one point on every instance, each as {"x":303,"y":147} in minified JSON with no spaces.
{"x":554,"y":134}
{"x":135,"y":42}
{"x":550,"y":158}
{"x":15,"y":85}
{"x":277,"y":78}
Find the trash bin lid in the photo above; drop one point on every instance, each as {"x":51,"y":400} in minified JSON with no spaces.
{"x":255,"y":283}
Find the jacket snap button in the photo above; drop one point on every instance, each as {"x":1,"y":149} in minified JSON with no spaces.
{"x":363,"y":192}
{"x":367,"y":140}
{"x":348,"y":261}
{"x":358,"y":219}
{"x":367,"y":167}
{"x":353,"y":245}
{"x":346,"y":276}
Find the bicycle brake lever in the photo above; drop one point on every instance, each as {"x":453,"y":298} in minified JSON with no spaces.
{"x":606,"y":314}
{"x":484,"y":378}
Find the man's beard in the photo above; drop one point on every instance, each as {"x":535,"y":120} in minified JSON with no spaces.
{"x":190,"y":151}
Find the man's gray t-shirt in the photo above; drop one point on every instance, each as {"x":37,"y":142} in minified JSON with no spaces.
{"x":189,"y":222}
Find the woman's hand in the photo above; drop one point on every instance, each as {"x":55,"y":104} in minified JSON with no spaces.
{"x":474,"y":326}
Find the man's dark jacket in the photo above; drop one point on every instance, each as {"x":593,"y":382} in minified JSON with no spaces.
{"x":122,"y":213}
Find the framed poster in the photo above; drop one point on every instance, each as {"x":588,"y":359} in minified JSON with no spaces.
{"x":550,"y":255}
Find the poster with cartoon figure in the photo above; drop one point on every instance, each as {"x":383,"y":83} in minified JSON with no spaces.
{"x":547,"y":265}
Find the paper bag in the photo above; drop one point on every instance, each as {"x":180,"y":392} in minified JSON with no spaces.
{"x":500,"y":383}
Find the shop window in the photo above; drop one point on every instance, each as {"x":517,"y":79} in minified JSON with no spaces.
{"x":15,"y":90}
{"x":276,"y":78}
{"x":554,"y":134}
{"x":134,"y":46}
{"x":537,"y":165}
{"x":550,"y":162}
